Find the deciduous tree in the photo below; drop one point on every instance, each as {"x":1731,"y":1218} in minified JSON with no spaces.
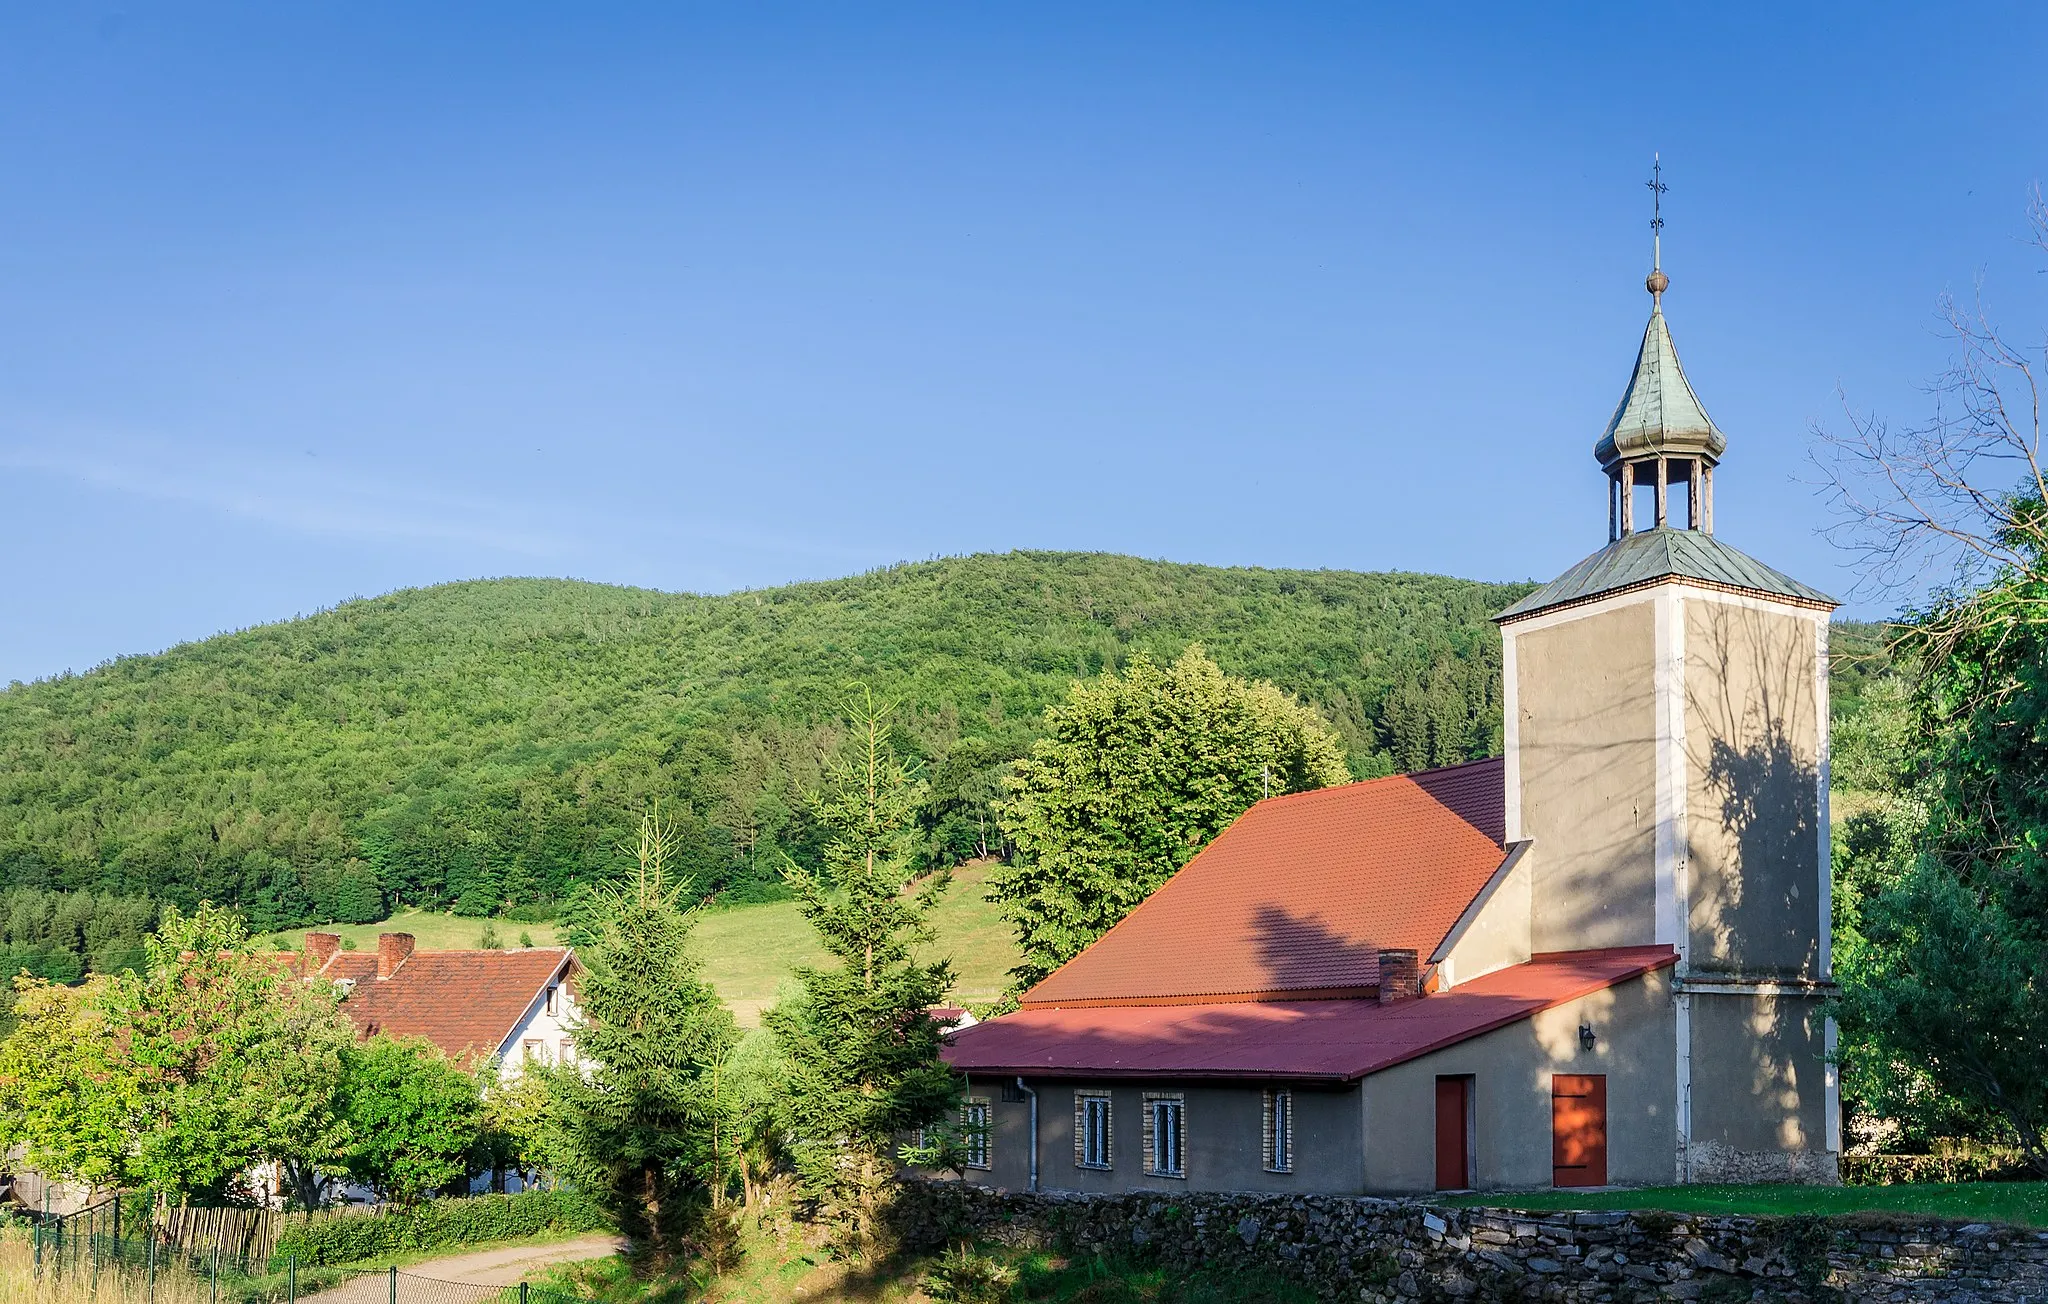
{"x":413,"y":1117}
{"x":1136,"y":773}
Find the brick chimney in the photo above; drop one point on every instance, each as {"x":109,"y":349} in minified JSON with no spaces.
{"x":394,"y":949}
{"x":320,"y":948}
{"x":1400,"y":978}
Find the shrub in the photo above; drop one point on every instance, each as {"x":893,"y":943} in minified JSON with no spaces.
{"x":342,"y":1237}
{"x":963,"y":1276}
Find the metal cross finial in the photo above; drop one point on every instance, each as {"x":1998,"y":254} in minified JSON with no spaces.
{"x":1657,"y":189}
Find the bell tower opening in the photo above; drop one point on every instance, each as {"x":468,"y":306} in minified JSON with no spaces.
{"x":1660,"y":493}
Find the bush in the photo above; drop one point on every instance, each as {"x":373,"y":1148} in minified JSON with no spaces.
{"x":1984,"y":1165}
{"x":341,"y":1237}
{"x":963,"y":1276}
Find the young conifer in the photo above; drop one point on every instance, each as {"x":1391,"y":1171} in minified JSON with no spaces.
{"x":636,"y":1111}
{"x":857,"y":1039}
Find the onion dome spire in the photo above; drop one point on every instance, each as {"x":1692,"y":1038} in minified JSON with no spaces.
{"x":1660,"y":432}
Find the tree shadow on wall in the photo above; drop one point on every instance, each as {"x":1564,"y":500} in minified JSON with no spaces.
{"x":1753,"y":856}
{"x":1754,"y":892}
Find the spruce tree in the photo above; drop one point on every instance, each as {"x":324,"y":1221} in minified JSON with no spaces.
{"x":858,"y":1042}
{"x":635,"y":1112}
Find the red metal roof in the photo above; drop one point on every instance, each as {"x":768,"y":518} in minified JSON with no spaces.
{"x":465,"y":1002}
{"x":1300,"y":894}
{"x":1334,"y":1040}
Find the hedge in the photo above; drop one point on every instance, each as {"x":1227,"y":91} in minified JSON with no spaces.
{"x":313,"y":1240}
{"x":1899,"y":1170}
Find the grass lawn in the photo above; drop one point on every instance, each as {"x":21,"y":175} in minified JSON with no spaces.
{"x":434,"y":930}
{"x":747,"y":950}
{"x":771,"y":1273}
{"x":2023,"y":1204}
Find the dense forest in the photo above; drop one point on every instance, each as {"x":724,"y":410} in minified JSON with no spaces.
{"x":484,"y":746}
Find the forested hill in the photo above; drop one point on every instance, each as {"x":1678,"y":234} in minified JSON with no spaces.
{"x":484,"y":745}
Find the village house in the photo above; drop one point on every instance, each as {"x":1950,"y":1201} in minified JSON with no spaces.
{"x":1597,"y":959}
{"x":512,"y":1006}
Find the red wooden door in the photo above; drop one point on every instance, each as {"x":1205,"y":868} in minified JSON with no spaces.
{"x":1453,"y":1134}
{"x":1578,"y":1129}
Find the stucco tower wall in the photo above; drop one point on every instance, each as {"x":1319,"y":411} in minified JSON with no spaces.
{"x":1583,"y":759}
{"x":1511,"y":1069}
{"x":1753,"y":738}
{"x":1762,"y":1105}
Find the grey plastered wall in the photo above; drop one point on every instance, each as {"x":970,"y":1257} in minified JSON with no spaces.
{"x":1511,"y":1068}
{"x":1496,"y":934}
{"x":1009,"y":1138}
{"x":1759,"y":1093}
{"x":1752,"y":741}
{"x":1585,"y":692}
{"x":1225,"y":1139}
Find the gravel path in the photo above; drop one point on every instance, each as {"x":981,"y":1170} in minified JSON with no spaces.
{"x":461,"y":1278}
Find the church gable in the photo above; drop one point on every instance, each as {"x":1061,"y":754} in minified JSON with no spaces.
{"x":1300,"y":895}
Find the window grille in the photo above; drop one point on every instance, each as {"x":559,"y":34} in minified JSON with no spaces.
{"x":1093,"y":1140}
{"x":974,"y":1121}
{"x":1013,"y":1094}
{"x":1165,"y":1134}
{"x":1279,"y":1145}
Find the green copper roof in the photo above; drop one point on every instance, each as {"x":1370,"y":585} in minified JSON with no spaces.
{"x":1658,"y":412}
{"x":1650,"y":555}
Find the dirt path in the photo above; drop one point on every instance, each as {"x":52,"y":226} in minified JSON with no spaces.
{"x":483,"y":1271}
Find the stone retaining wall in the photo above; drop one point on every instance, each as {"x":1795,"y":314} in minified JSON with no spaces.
{"x":1389,"y":1250}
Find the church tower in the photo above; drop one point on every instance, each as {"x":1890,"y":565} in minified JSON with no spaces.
{"x":1666,"y":741}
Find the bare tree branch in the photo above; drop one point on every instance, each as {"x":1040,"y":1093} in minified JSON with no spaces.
{"x":1961,"y":499}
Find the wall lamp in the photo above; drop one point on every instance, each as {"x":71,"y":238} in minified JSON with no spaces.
{"x":1586,"y":1036}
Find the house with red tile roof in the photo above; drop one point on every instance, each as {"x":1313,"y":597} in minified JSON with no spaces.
{"x":1596,"y":959}
{"x":509,"y":1006}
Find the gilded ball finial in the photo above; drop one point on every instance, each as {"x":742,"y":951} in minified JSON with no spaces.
{"x":1657,"y":282}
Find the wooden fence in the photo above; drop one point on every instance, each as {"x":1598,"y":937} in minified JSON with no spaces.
{"x":247,"y":1235}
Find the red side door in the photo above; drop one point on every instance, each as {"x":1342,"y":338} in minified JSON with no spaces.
{"x":1578,"y":1129}
{"x":1453,"y":1134}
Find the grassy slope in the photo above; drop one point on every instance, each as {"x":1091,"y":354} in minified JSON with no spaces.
{"x":2023,"y":1204}
{"x":749,"y":950}
{"x":433,"y":930}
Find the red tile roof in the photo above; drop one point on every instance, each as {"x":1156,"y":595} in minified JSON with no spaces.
{"x":1299,"y":895}
{"x":465,"y":1002}
{"x":1333,"y":1041}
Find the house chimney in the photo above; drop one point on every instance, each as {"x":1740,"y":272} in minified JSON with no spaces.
{"x":394,"y":949}
{"x":1399,"y":978}
{"x":320,"y":948}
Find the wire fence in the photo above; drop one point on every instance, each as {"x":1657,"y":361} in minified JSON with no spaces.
{"x":91,"y":1257}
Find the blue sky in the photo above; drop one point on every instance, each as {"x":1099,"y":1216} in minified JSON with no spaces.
{"x":300,"y":302}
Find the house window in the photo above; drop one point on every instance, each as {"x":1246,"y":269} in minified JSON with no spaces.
{"x":1165,"y":1134}
{"x":551,"y":1001}
{"x":974,"y":1122}
{"x":1279,"y":1145}
{"x":1092,"y":1139}
{"x":1013,"y":1094}
{"x":568,"y":1051}
{"x":536,"y":1051}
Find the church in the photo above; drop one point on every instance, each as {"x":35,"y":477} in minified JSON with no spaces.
{"x":1599,"y":959}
